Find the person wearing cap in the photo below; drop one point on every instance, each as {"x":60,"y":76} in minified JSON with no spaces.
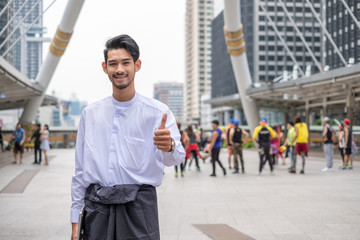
{"x":328,"y":134}
{"x":301,"y":139}
{"x":235,"y":138}
{"x":228,"y":141}
{"x":347,"y":147}
{"x":262,"y":134}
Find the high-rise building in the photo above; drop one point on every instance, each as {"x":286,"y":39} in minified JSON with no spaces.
{"x":26,"y":20}
{"x":4,"y":20}
{"x":344,"y":32}
{"x":267,"y":57}
{"x":198,"y":18}
{"x":171,"y":94}
{"x":29,"y":49}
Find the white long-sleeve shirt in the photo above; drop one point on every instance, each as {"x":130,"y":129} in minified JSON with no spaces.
{"x":115,"y":146}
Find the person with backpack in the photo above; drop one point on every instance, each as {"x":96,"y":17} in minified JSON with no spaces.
{"x":235,"y":139}
{"x":328,"y":135}
{"x":262,"y":134}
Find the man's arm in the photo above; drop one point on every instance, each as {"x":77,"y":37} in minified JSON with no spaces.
{"x":231,"y":135}
{"x":23,"y":138}
{"x":346,"y":137}
{"x":77,"y":186}
{"x":324,"y":133}
{"x":256,"y":133}
{"x":245,"y":133}
{"x":296,"y":135}
{"x":213,"y":140}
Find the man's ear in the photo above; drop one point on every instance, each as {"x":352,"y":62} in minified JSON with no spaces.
{"x":103,"y":64}
{"x":137,"y":65}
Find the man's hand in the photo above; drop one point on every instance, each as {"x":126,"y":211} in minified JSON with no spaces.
{"x":74,"y":227}
{"x":162,"y":138}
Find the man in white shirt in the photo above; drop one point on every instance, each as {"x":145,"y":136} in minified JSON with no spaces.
{"x":122,"y":145}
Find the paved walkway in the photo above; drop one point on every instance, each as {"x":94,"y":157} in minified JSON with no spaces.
{"x":316,"y":205}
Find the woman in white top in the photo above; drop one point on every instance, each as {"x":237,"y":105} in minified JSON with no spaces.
{"x":44,"y":146}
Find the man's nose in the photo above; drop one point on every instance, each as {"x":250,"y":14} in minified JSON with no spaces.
{"x":119,"y":69}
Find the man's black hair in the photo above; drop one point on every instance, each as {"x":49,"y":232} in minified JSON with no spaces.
{"x":122,"y":41}
{"x":291,"y":123}
{"x":39,"y":125}
{"x":216,"y":122}
{"x":297,"y":119}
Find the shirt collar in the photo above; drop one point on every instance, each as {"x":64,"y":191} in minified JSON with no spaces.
{"x":118,"y":104}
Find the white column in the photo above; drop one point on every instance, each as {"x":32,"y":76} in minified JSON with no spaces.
{"x":236,"y":48}
{"x":57,"y":49}
{"x":237,"y":114}
{"x":226,"y":117}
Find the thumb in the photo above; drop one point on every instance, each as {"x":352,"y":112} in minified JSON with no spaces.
{"x":163,"y":121}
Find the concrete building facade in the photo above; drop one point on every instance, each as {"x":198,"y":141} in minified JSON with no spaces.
{"x":198,"y":56}
{"x":171,"y":94}
{"x":28,"y":51}
{"x":267,"y":56}
{"x":344,"y":31}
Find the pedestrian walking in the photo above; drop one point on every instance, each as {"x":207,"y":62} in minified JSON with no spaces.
{"x":19,"y":135}
{"x":214,"y":148}
{"x":348,"y":145}
{"x":45,"y":145}
{"x":274,"y":150}
{"x":37,"y":142}
{"x":301,"y":139}
{"x":122,"y":145}
{"x":236,"y":136}
{"x":228,"y":141}
{"x":328,"y":134}
{"x":203,"y":140}
{"x":262,"y":134}
{"x":291,"y":145}
{"x":192,"y":148}
{"x":184,"y":139}
{"x":279,"y":136}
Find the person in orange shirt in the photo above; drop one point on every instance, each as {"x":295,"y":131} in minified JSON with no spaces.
{"x":228,"y":142}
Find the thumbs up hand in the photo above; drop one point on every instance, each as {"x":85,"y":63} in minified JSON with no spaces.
{"x":162,"y":138}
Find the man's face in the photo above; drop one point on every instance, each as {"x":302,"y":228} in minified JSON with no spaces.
{"x":18,"y":127}
{"x":121,"y":68}
{"x":214,"y":126}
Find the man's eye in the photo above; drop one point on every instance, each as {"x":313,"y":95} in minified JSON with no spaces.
{"x":126,"y":63}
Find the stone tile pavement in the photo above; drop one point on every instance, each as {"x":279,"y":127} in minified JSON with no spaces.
{"x":316,"y":205}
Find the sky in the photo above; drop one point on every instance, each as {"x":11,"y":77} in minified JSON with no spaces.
{"x":158,"y":26}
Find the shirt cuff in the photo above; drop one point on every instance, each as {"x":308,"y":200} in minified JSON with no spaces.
{"x":74,"y":218}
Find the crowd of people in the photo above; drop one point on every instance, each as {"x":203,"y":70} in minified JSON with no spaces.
{"x":40,"y":137}
{"x":273,"y":146}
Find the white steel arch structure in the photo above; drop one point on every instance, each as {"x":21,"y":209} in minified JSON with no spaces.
{"x":57,"y":49}
{"x":236,"y":48}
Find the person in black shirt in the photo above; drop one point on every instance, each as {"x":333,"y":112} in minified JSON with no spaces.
{"x":235,"y":138}
{"x":262,"y":135}
{"x":1,"y":141}
{"x":37,"y":143}
{"x":348,"y":143}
